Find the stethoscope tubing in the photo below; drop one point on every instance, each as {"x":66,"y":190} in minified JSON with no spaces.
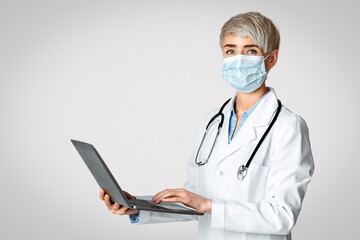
{"x":242,"y":170}
{"x":264,"y":135}
{"x":220,"y":113}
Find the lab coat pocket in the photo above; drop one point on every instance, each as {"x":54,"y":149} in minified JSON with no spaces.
{"x":255,"y":182}
{"x":258,"y":170}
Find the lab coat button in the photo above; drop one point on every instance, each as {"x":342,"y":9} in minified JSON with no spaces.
{"x":221,"y":172}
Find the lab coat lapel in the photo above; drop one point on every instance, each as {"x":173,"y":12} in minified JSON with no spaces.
{"x":261,"y":117}
{"x":245,"y":135}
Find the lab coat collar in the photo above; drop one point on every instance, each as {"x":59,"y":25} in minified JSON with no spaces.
{"x":263,"y":113}
{"x":261,"y":117}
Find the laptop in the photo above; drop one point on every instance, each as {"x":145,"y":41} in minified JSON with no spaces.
{"x":107,"y":181}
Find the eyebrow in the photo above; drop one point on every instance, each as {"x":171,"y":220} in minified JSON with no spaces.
{"x":252,"y":45}
{"x":230,"y":45}
{"x":245,"y":46}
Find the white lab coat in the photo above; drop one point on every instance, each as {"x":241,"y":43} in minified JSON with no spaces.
{"x":266,"y":204}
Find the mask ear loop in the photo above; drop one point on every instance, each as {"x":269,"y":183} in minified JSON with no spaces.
{"x":267,"y":56}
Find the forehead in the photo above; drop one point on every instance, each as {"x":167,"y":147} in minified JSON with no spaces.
{"x":232,"y":39}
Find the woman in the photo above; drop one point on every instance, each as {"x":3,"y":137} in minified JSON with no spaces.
{"x":263,"y":199}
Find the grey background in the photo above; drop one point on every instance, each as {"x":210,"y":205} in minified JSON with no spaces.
{"x":135,"y":78}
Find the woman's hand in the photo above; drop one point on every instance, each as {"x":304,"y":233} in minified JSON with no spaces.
{"x":115,"y":207}
{"x":201,"y":204}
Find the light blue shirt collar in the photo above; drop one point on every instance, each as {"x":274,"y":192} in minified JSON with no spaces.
{"x":244,"y":116}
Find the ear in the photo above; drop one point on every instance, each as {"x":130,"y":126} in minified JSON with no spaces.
{"x":272,"y":59}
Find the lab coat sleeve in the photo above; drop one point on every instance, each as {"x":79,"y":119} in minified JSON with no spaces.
{"x":290,"y":172}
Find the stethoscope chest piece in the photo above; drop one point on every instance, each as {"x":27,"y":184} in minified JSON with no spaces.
{"x":241,"y":173}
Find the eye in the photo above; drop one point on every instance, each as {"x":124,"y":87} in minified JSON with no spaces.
{"x":230,"y":52}
{"x":252,"y":52}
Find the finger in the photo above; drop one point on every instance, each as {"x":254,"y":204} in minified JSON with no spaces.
{"x":156,"y":196}
{"x":186,"y":201}
{"x":161,"y":194}
{"x":131,"y":211}
{"x":170,"y":193}
{"x":102,"y":194}
{"x":128,"y":195}
{"x":167,"y":194}
{"x":120,"y":211}
{"x":173,"y":199}
{"x":127,"y":211}
{"x":115,"y":206}
{"x":107,"y":201}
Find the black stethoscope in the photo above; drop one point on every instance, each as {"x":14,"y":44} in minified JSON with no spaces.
{"x":242,"y":170}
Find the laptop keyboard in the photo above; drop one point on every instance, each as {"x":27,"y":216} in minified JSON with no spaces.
{"x":145,"y":204}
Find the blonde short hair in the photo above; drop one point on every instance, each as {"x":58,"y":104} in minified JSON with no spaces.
{"x":256,"y":26}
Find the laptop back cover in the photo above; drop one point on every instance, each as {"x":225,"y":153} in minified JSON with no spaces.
{"x":100,"y":172}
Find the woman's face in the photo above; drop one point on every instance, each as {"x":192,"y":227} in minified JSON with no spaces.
{"x":233,"y":45}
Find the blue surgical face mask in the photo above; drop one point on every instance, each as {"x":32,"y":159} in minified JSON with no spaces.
{"x":244,"y":73}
